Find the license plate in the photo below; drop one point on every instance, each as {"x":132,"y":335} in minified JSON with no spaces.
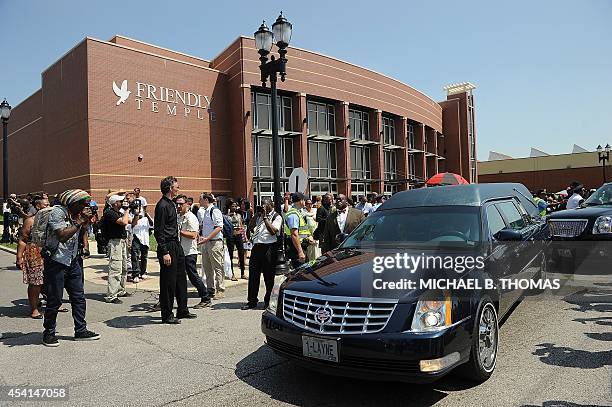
{"x":317,"y":348}
{"x":565,"y":252}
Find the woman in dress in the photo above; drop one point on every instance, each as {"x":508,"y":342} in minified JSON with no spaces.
{"x":30,"y":261}
{"x":310,"y":213}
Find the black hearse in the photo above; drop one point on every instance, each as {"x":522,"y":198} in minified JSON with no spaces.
{"x":340,"y":315}
{"x":585,"y":232}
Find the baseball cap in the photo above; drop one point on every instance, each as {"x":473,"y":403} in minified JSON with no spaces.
{"x":115,"y":198}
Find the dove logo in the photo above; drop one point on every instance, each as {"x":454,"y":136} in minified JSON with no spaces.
{"x":122,"y":93}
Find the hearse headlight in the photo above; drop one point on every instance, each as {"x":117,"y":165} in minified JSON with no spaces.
{"x":603,"y":224}
{"x":432,"y":314}
{"x":274,"y":297}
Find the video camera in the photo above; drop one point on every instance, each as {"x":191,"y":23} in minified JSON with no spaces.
{"x":135,"y":206}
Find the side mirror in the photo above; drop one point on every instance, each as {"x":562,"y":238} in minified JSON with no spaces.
{"x":508,"y":234}
{"x":340,"y":237}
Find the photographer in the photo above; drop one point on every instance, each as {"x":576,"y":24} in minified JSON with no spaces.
{"x":141,"y":225}
{"x":264,"y":228}
{"x":115,"y":230}
{"x":61,"y":266}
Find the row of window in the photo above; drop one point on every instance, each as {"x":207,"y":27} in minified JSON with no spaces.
{"x":322,"y":159}
{"x":321,"y":119}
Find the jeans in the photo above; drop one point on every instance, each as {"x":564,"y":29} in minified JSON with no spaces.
{"x":236,"y":241}
{"x":172,"y":282}
{"x":57,"y":277}
{"x":139,"y":254}
{"x":194,"y":277}
{"x":262,"y":261}
{"x":117,"y":268}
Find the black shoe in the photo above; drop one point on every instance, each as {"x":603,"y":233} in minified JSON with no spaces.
{"x":115,"y":301}
{"x":86,"y":336}
{"x":202,"y":304}
{"x":50,"y":340}
{"x":188,"y":315}
{"x":248,"y":306}
{"x":171,"y":321}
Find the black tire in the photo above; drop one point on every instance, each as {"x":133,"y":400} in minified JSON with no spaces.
{"x":476,"y":369}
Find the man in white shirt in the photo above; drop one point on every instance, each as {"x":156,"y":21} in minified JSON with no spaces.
{"x":363,"y":205}
{"x":264,"y":227}
{"x":140,"y":246}
{"x":188,"y":232}
{"x":211,"y":241}
{"x":574,"y":201}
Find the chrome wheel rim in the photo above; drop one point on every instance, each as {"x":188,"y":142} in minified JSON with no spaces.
{"x":487,"y":338}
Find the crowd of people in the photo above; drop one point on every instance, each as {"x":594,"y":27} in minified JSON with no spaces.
{"x":569,"y":198}
{"x":53,"y":236}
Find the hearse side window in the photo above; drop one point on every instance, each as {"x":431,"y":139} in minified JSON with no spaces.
{"x":494,"y":219}
{"x":524,"y":213}
{"x":512,"y":215}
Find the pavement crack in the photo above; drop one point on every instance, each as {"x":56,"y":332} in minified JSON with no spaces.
{"x":238,"y":378}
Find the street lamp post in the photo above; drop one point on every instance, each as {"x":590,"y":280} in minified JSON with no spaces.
{"x":264,"y":39}
{"x":5,"y":113}
{"x":604,"y":155}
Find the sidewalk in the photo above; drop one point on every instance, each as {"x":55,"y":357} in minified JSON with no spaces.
{"x":96,"y":271}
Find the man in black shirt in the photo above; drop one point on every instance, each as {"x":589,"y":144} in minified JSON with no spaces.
{"x":172,"y":275}
{"x":114,"y":229}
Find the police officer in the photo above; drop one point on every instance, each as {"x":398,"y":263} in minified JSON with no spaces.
{"x":296,"y":230}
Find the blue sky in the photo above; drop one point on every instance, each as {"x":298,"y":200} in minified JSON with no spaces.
{"x":543,"y":69}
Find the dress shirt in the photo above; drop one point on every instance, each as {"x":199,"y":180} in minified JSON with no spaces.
{"x":166,"y":226}
{"x":261,"y":234}
{"x":342,"y":219}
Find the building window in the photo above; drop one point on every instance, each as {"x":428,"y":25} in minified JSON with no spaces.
{"x":411,"y":166}
{"x":322,"y":188}
{"x":390,"y":189}
{"x":411,"y":142}
{"x":261,"y":108}
{"x":390,"y":165}
{"x":360,"y":163}
{"x":388,"y":130}
{"x":321,"y":119}
{"x":359,"y":189}
{"x":262,"y":156}
{"x":322,"y":159}
{"x":359,"y":125}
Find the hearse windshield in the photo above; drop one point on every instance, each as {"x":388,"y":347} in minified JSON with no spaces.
{"x":453,"y":225}
{"x":603,"y":196}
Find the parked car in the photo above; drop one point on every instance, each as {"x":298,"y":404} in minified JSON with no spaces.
{"x":328,"y":316}
{"x":584,"y":233}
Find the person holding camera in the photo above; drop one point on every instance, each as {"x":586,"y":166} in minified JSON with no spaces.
{"x":140,"y":227}
{"x":61,"y":266}
{"x":115,"y":224}
{"x":264,"y":228}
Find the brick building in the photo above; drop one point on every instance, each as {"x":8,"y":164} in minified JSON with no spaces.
{"x":123,"y":113}
{"x":551,"y":172}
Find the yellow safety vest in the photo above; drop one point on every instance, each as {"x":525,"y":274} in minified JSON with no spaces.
{"x":303,"y":229}
{"x":536,"y":200}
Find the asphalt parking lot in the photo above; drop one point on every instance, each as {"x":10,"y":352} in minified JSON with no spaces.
{"x":553,"y":352}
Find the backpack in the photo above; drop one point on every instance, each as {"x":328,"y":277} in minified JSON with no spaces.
{"x":38,"y":236}
{"x":228,"y":228}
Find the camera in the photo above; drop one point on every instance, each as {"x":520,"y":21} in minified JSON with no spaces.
{"x":135,"y":206}
{"x":259,"y":209}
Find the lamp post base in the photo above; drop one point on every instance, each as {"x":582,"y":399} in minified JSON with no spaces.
{"x":282,"y":265}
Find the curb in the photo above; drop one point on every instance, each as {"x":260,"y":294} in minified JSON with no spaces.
{"x":8,"y":249}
